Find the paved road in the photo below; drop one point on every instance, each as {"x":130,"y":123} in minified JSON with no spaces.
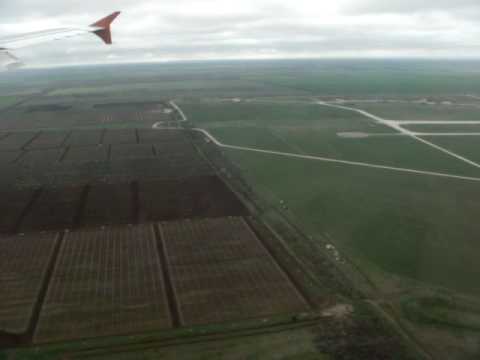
{"x":180,"y":111}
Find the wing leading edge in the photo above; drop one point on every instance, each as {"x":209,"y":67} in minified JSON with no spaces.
{"x":100,"y":28}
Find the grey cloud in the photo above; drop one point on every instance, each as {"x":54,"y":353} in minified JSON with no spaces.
{"x":22,"y":9}
{"x":412,"y":6}
{"x":189,"y":29}
{"x":210,"y":22}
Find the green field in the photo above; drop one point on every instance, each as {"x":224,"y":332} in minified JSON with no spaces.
{"x":467,"y":146}
{"x":316,"y":130}
{"x":423,"y":228}
{"x":444,"y":312}
{"x":379,"y":78}
{"x":412,"y":111}
{"x":447,"y":128}
{"x":416,"y":226}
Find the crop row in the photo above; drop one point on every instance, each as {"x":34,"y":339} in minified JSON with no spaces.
{"x":221,"y":272}
{"x":106,"y":282}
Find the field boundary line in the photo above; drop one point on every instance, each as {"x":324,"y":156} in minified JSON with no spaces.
{"x":37,"y":193}
{"x":82,"y":203}
{"x":29,"y":142}
{"x":46,"y":282}
{"x":205,"y":338}
{"x":279,"y":265}
{"x":64,"y":154}
{"x":176,"y":316}
{"x":135,"y":202}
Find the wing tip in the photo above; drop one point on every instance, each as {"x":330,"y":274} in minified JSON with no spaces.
{"x":104,"y":32}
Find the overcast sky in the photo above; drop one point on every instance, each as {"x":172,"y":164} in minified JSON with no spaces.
{"x":156,"y":30}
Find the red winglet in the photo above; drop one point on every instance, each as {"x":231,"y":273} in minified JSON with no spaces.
{"x":105,"y":33}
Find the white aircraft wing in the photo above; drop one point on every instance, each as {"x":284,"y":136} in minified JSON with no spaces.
{"x":101,"y":28}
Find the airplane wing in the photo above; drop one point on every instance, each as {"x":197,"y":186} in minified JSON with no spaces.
{"x":100,"y":28}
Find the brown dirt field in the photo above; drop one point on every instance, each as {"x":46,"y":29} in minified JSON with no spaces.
{"x":108,"y":204}
{"x":7,"y":157}
{"x":175,"y":181}
{"x":23,"y":265}
{"x":55,"y":209}
{"x":163,"y":136}
{"x":132,"y":151}
{"x":15,"y":141}
{"x":194,"y":197}
{"x":38,"y":159}
{"x":48,"y":140}
{"x":221,"y":272}
{"x":171,"y":168}
{"x":77,"y":158}
{"x":86,"y":154}
{"x":93,"y":204}
{"x":176,"y":151}
{"x":85,"y":137}
{"x":124,"y":136}
{"x":17,"y":200}
{"x":106,"y":282}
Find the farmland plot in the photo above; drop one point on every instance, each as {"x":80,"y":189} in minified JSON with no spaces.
{"x":123,"y":136}
{"x":7,"y":157}
{"x":135,"y":105}
{"x":131,"y":151}
{"x":173,"y":168}
{"x":24,"y":178}
{"x":23,"y":264}
{"x":48,"y":140}
{"x":16,"y":141}
{"x":108,"y":204}
{"x":85,"y":137}
{"x":40,"y":158}
{"x":221,"y":272}
{"x":156,"y":115}
{"x":106,"y":282}
{"x":161,"y":136}
{"x":201,"y":196}
{"x":79,"y":173}
{"x":176,"y":150}
{"x":86,"y":154}
{"x":14,"y":201}
{"x":56,"y":208}
{"x":35,"y":168}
